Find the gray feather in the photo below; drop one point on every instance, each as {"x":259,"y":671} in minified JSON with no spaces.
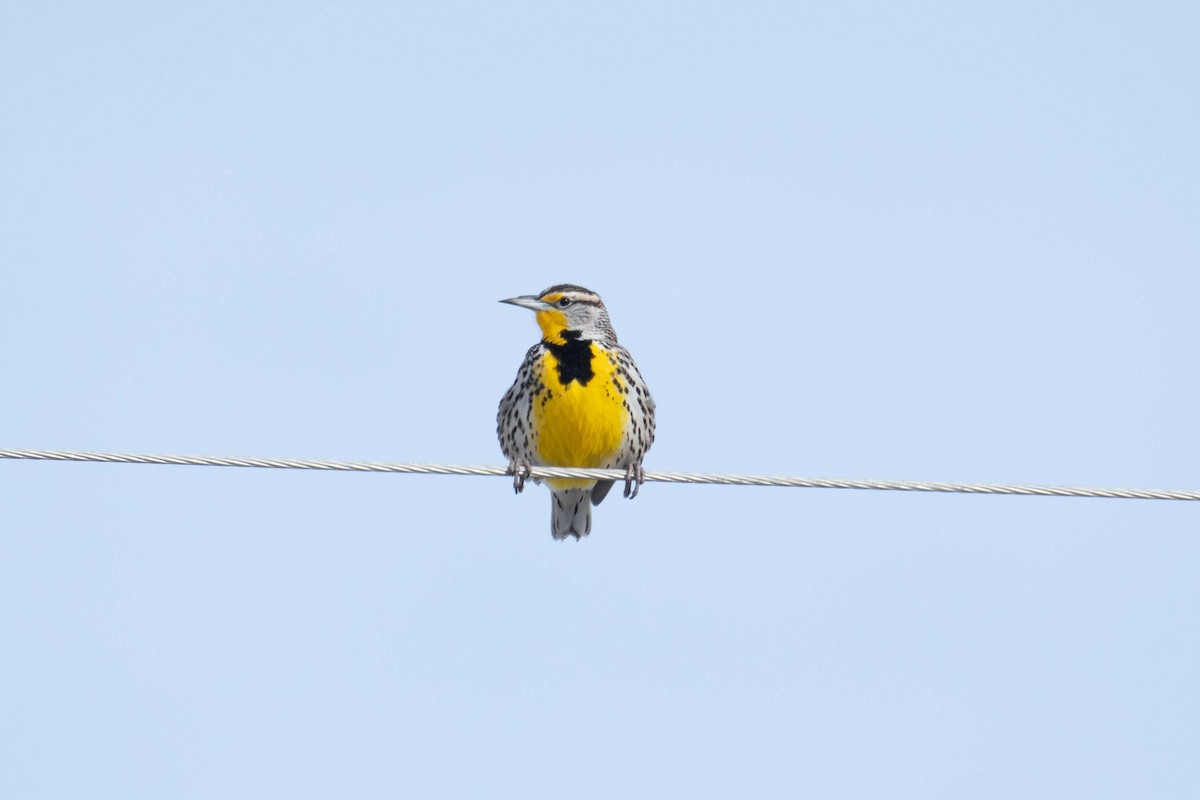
{"x":570,"y":513}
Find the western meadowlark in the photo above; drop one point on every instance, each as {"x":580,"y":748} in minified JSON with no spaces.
{"x":578,"y":401}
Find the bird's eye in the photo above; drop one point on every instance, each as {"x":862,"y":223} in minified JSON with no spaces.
{"x":564,"y":302}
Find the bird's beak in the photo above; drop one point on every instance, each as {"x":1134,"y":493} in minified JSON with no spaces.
{"x":529,"y":301}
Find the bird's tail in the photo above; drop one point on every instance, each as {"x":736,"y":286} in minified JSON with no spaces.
{"x":571,"y":512}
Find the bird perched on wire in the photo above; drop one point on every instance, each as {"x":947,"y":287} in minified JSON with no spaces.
{"x":578,"y":401}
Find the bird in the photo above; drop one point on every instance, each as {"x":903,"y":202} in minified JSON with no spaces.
{"x":578,"y":401}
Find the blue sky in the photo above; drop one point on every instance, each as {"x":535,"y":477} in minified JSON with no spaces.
{"x":918,"y":241}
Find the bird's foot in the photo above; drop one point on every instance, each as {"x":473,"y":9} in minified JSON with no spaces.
{"x":519,"y":468}
{"x":634,"y":477}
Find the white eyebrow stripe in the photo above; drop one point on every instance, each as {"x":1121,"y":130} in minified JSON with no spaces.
{"x":578,"y":297}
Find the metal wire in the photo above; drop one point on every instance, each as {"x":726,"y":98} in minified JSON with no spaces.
{"x":604,"y":474}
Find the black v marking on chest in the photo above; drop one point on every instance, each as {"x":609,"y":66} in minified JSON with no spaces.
{"x":573,"y":358}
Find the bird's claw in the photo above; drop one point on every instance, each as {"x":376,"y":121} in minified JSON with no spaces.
{"x":634,"y":477}
{"x":520,"y":469}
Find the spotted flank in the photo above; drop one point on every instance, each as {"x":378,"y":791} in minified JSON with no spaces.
{"x":578,"y":401}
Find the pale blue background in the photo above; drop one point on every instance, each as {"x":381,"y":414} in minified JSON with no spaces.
{"x":939,"y":241}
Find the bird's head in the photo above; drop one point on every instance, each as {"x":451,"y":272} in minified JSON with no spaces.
{"x":566,"y":312}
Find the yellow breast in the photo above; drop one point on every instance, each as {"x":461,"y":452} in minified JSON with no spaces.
{"x":578,"y":424}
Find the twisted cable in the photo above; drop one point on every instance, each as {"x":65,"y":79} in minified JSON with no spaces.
{"x":601,"y":474}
